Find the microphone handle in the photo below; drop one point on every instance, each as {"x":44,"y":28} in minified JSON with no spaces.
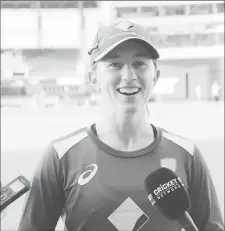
{"x":187,"y":223}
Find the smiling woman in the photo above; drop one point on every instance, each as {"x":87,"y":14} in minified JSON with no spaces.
{"x":95,"y":176}
{"x":126,"y":76}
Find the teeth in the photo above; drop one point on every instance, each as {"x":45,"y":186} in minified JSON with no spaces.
{"x":129,"y":90}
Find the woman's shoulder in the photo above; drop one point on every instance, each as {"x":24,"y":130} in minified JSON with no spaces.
{"x":65,"y":142}
{"x":179,"y":140}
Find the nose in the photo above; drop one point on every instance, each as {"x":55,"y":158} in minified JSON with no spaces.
{"x":128,"y":73}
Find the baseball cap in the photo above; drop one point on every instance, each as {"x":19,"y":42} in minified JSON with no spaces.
{"x":109,"y":37}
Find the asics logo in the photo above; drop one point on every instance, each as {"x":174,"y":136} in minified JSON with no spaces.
{"x":86,"y":176}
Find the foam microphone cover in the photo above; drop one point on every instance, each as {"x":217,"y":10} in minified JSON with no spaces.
{"x":167,"y":193}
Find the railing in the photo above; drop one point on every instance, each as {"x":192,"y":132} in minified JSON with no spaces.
{"x":170,"y":10}
{"x":188,"y":40}
{"x":46,"y":4}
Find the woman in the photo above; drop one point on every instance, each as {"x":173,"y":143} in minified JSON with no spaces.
{"x":95,"y":176}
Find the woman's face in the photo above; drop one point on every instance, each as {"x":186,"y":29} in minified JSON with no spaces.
{"x":126,"y":76}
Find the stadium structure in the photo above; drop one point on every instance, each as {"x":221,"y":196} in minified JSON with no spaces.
{"x":44,"y":45}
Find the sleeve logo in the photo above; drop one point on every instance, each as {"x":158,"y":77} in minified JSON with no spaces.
{"x":86,"y":176}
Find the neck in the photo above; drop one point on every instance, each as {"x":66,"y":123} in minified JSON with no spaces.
{"x":125,"y":129}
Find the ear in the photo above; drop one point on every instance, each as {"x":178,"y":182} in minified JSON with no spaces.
{"x":92,"y":78}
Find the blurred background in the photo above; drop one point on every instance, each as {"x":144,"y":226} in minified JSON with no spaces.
{"x":45,"y":91}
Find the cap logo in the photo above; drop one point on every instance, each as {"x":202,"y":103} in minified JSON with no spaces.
{"x":125,"y":26}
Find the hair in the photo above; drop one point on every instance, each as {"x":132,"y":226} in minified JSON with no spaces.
{"x":94,"y":66}
{"x":91,"y":69}
{"x":155,"y":63}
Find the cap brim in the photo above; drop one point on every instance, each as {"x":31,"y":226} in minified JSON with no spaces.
{"x":154,"y":52}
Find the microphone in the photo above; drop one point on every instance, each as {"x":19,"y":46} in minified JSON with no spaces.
{"x":13,"y":191}
{"x":167,"y":194}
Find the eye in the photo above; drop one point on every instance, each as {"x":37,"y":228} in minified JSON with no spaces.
{"x":115,"y":66}
{"x":139,"y":64}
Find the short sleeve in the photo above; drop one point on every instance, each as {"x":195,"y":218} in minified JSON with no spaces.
{"x":45,"y":200}
{"x":205,"y":210}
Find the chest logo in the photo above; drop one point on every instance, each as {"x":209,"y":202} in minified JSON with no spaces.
{"x":128,"y":216}
{"x":86,"y":176}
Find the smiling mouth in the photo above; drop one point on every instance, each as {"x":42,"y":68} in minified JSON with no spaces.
{"x":129,"y":90}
